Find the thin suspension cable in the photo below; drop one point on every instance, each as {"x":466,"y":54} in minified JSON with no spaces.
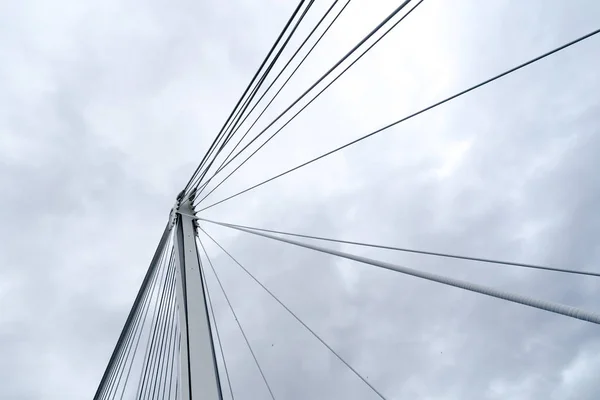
{"x":146,"y":364}
{"x":238,"y":323}
{"x":145,"y":360}
{"x":166,"y":321}
{"x":212,"y":312}
{"x":174,"y":357}
{"x":278,"y":76}
{"x":172,"y":333}
{"x":237,"y":123}
{"x":228,"y":134}
{"x":247,"y":103}
{"x":230,"y":123}
{"x":454,"y":96}
{"x":225,"y":126}
{"x":137,"y":332}
{"x":153,"y":264}
{"x":152,"y":359}
{"x":177,"y":389}
{"x":155,"y":360}
{"x":568,"y":311}
{"x":286,"y":81}
{"x":223,"y":166}
{"x":376,"y":29}
{"x":406,"y":250}
{"x":295,"y":316}
{"x":213,"y":145}
{"x":223,"y":137}
{"x":282,"y":86}
{"x":115,"y":378}
{"x":147,"y":308}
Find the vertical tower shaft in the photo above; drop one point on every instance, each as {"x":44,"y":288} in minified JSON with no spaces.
{"x":199,"y":377}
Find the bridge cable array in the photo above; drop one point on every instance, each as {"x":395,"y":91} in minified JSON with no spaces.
{"x":158,"y":297}
{"x":313,"y":86}
{"x":294,"y":315}
{"x":228,"y":157}
{"x":524,"y":300}
{"x":157,"y":369}
{"x":242,"y":102}
{"x":423,"y":110}
{"x":239,"y":324}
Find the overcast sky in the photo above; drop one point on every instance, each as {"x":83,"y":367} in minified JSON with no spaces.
{"x":107,"y":106}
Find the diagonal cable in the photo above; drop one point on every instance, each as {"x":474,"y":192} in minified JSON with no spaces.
{"x":115,"y":378}
{"x":306,"y":92}
{"x":236,"y":120}
{"x":158,"y":343}
{"x":212,"y":312}
{"x":147,"y":363}
{"x":356,"y":47}
{"x":108,"y":372}
{"x":568,"y":311}
{"x":149,"y":356}
{"x":236,"y":107}
{"x":287,"y":80}
{"x":151,"y":363}
{"x":147,"y":308}
{"x":238,"y":323}
{"x":454,"y":96}
{"x":143,"y":317}
{"x":160,"y":354}
{"x":297,"y":318}
{"x":225,"y":126}
{"x":172,"y":333}
{"x":174,"y":375}
{"x":317,"y":25}
{"x":175,"y":360}
{"x":406,"y":250}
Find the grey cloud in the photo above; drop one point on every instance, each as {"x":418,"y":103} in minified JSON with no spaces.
{"x":111,"y":105}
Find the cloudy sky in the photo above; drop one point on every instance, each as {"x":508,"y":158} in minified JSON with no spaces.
{"x":106,"y":107}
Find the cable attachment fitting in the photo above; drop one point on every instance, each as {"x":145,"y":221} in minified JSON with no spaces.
{"x":173,"y":213}
{"x":183,"y":204}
